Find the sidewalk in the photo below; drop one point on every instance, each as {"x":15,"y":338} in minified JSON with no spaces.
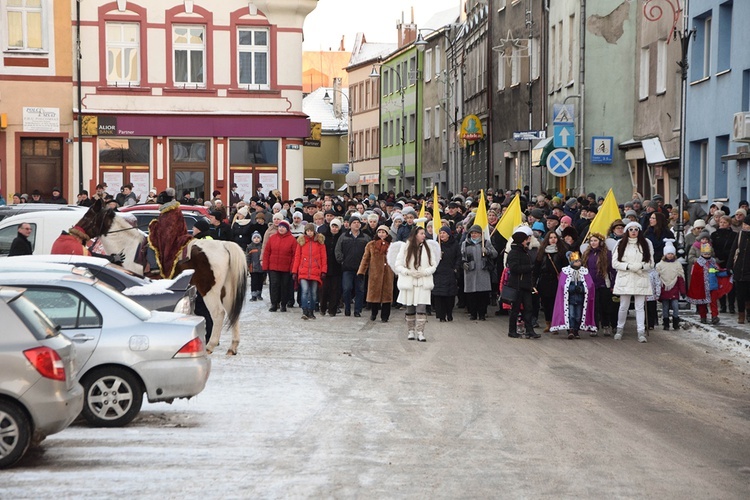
{"x":728,"y":332}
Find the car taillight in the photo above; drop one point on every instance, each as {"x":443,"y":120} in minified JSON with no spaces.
{"x":193,"y":348}
{"x":47,"y":362}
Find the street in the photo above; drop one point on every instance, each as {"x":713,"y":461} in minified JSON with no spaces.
{"x":348,"y":408}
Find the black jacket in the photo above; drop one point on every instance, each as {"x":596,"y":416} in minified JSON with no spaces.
{"x":222,"y":232}
{"x":334,"y":267}
{"x":722,"y":241}
{"x":519,"y":267}
{"x":741,"y":266}
{"x":20,"y":246}
{"x":350,"y":250}
{"x":446,"y":277}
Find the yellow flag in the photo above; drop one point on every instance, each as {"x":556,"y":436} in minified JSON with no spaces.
{"x":421,"y":215}
{"x":436,"y":222}
{"x":607,"y":214}
{"x":511,"y":219}
{"x":481,"y":217}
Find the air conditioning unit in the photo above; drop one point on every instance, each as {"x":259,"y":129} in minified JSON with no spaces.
{"x":741,"y":129}
{"x":329,"y":185}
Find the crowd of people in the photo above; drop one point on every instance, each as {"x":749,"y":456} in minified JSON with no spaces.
{"x":334,"y":254}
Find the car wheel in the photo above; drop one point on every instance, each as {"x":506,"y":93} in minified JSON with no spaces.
{"x":15,"y":433}
{"x":113,"y":397}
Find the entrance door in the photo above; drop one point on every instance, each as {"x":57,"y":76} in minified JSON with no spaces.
{"x":41,"y":165}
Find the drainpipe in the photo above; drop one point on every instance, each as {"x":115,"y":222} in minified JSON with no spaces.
{"x":80,"y":96}
{"x":582,"y":101}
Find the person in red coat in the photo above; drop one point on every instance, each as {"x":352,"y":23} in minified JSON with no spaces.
{"x":310,"y":267}
{"x":278,"y":258}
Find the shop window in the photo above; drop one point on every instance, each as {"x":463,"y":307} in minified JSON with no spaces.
{"x":253,"y":53}
{"x":123,"y":54}
{"x":189,"y":45}
{"x":125,"y":161}
{"x":190,"y":166}
{"x":26,"y":25}
{"x":254,"y":162}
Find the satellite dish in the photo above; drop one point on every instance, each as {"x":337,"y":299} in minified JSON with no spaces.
{"x":352,"y":178}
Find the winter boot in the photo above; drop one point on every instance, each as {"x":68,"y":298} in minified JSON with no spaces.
{"x":666,"y":323}
{"x":704,"y":320}
{"x":311,"y":314}
{"x":570,"y":334}
{"x":305,"y":315}
{"x":420,"y":323}
{"x":576,"y":335}
{"x":676,"y":323}
{"x":618,"y":334}
{"x":547,"y":324}
{"x":411,"y":325}
{"x":741,"y":317}
{"x":715,"y":320}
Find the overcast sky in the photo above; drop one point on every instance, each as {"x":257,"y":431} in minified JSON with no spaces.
{"x":331,"y":19}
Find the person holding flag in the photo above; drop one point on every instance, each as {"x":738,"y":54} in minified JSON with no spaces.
{"x":477,"y":257}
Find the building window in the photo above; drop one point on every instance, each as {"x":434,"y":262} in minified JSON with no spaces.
{"x":412,"y":127}
{"x":438,"y":60}
{"x":701,"y":63}
{"x":501,"y":71}
{"x":123,"y":53}
{"x":644,"y":76}
{"x":428,"y":65}
{"x":253,"y":57}
{"x":25,"y":25}
{"x":189,"y":44}
{"x":412,"y":70}
{"x":437,"y":121}
{"x":515,"y":67}
{"x":723,"y":61}
{"x":746,"y":90}
{"x":572,"y":47}
{"x":534,"y":54}
{"x":661,"y":67}
{"x":427,"y":124}
{"x":703,"y":169}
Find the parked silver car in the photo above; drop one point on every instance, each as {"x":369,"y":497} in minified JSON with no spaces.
{"x":175,"y":295}
{"x":39,"y":394}
{"x":122,"y":348}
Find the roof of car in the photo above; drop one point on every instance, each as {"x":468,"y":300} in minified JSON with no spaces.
{"x":155,"y":207}
{"x":35,"y":271}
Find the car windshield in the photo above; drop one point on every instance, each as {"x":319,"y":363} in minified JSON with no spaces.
{"x":138,"y":310}
{"x":34,"y":319}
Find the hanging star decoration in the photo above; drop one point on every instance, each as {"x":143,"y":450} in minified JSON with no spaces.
{"x":509,"y":45}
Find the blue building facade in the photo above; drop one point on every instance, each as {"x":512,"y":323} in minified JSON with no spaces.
{"x":718,"y":88}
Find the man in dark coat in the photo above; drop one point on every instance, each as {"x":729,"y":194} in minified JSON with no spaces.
{"x":21,"y":244}
{"x":349,"y":252}
{"x":220,"y":230}
{"x":520,"y":268}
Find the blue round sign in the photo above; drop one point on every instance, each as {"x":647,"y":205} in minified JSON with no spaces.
{"x":560,"y":162}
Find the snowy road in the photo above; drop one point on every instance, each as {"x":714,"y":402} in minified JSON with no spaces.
{"x":345,"y":408}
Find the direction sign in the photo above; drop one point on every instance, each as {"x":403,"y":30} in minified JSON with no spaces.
{"x":562,"y":114}
{"x":565,"y":136}
{"x":529,"y":135}
{"x":560,"y":162}
{"x":601,"y":149}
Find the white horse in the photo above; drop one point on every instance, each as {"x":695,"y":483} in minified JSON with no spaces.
{"x":220,"y":274}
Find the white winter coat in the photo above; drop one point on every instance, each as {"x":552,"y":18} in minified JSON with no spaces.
{"x":632,"y":273}
{"x":415,"y":286}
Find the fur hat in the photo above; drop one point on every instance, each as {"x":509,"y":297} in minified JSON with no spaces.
{"x":570,"y":231}
{"x":669,"y":246}
{"x":285,"y":224}
{"x":633,"y":224}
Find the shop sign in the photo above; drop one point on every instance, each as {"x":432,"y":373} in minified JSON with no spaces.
{"x":37,"y":119}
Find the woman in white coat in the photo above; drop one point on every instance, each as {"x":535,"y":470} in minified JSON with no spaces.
{"x":416,"y":262}
{"x":633,"y":259}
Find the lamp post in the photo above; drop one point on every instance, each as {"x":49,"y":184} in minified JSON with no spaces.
{"x":653,"y":12}
{"x":374,"y":74}
{"x":327,"y":99}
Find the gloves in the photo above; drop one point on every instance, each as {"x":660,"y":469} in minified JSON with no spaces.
{"x":294,"y":277}
{"x":117,"y":258}
{"x":323,"y":276}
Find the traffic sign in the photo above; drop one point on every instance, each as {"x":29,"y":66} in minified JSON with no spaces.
{"x":562,"y":114}
{"x":529,"y":135}
{"x":560,"y":162}
{"x":601,"y":149}
{"x":565,"y":136}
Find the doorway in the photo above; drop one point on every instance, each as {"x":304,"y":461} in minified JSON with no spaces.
{"x":41,"y":165}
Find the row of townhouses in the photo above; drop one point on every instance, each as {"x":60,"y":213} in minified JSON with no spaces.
{"x":480,"y":95}
{"x":195,"y":95}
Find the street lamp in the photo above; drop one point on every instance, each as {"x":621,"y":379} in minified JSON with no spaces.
{"x":654,"y":13}
{"x":327,"y":99}
{"x":374,"y":74}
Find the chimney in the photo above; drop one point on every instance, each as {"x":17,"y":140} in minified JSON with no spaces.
{"x":342,"y":46}
{"x":337,"y":98}
{"x":407,"y":33}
